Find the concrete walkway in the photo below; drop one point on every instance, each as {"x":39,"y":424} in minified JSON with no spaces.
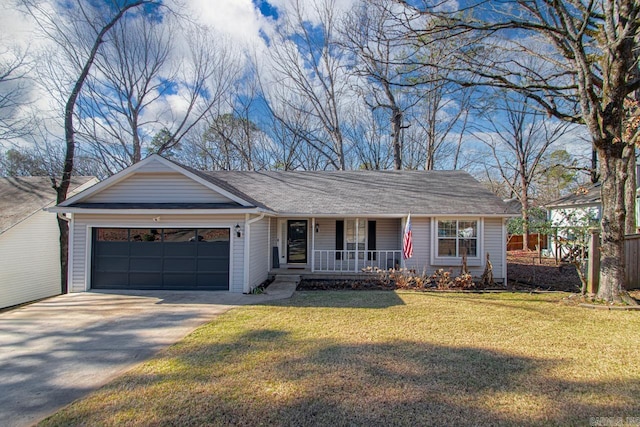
{"x":56,"y":351}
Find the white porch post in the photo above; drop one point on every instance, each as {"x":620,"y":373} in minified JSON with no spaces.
{"x":269,"y":251}
{"x":403,"y":223}
{"x":313,"y":244}
{"x":247,"y":255}
{"x":355,"y":268}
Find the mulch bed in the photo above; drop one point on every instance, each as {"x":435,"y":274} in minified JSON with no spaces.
{"x":526,"y":268}
{"x":525,"y":271}
{"x":372,"y":284}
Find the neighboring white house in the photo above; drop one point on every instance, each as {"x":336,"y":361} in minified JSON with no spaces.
{"x":162,"y":225}
{"x":576,"y":210}
{"x":29,"y":238}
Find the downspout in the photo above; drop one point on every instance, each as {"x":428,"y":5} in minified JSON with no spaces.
{"x":247,"y":256}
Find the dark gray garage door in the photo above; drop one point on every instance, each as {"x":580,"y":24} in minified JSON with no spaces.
{"x":163,"y":258}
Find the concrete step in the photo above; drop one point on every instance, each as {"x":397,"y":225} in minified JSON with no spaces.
{"x":283,"y":286}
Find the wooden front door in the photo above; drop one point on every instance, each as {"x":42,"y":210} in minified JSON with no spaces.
{"x":297,"y":241}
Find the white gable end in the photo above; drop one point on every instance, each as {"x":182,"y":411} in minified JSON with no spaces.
{"x":157,"y":187}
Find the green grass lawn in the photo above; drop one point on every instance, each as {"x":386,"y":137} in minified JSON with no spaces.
{"x":386,"y":358}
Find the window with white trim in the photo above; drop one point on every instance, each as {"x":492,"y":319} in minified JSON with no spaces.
{"x":457,"y":237}
{"x":356,"y":236}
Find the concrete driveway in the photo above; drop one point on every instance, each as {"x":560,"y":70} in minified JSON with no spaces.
{"x":55,"y":351}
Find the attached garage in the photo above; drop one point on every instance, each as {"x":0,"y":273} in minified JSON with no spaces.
{"x":161,"y":258}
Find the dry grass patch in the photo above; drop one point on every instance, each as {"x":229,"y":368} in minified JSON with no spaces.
{"x":385,"y":358}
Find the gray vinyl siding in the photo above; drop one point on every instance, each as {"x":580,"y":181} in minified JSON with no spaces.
{"x":258,"y":247}
{"x":325,"y":238}
{"x":157,"y":188}
{"x":388,"y":234}
{"x":491,"y":242}
{"x":421,"y":232}
{"x":29,"y":260}
{"x":494,"y":246}
{"x":81,"y":256}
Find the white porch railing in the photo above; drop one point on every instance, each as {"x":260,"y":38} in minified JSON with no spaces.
{"x":354,"y":261}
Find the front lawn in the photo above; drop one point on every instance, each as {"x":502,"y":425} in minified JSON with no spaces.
{"x":386,"y":358}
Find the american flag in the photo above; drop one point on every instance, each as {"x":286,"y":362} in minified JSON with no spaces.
{"x":407,"y":241}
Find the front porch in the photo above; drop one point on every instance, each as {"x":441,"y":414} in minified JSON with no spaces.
{"x":355,"y":261}
{"x":340,"y":246}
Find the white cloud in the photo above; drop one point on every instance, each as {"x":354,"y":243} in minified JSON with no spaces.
{"x":16,"y":28}
{"x":238,"y":19}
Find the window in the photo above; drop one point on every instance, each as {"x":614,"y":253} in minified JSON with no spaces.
{"x":457,"y":237}
{"x":144,"y":235}
{"x":112,"y":235}
{"x":179,"y":235}
{"x":356,"y":234}
{"x":352,"y":234}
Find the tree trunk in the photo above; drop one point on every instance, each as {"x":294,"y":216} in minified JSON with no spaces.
{"x":594,"y":166}
{"x":525,"y":224}
{"x":396,"y":126}
{"x":524,"y":201}
{"x":613,"y":173}
{"x":63,"y":227}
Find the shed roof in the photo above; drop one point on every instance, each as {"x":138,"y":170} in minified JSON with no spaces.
{"x":363,"y":192}
{"x":583,"y":196}
{"x":21,"y":197}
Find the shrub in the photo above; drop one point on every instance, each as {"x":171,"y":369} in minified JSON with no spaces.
{"x":404,"y":278}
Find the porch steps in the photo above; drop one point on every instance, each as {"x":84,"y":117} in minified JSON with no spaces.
{"x":283,"y":285}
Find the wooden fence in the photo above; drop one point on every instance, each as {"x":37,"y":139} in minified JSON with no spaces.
{"x":632,"y":261}
{"x":514,"y":242}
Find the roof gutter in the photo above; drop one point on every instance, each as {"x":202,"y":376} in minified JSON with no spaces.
{"x":413,"y":215}
{"x":63,"y":209}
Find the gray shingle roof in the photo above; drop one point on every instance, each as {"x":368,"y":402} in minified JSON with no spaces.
{"x":362,"y":192}
{"x":21,"y":197}
{"x":583,"y":196}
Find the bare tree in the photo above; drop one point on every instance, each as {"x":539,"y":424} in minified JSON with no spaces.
{"x":366,"y":130}
{"x":14,"y":67}
{"x":440,"y":123}
{"x":585,"y":50}
{"x":126,"y":104}
{"x":375,"y":39}
{"x":310,"y":76}
{"x":518,"y":137}
{"x":131,"y":74}
{"x":288,"y":130}
{"x":65,"y":28}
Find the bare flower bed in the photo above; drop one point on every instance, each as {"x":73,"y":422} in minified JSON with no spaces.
{"x":525,"y":271}
{"x":526,"y":268}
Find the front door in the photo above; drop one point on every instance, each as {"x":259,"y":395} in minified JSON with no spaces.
{"x":297,"y":241}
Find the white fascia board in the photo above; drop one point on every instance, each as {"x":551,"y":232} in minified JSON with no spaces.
{"x":398,"y":215}
{"x":155,"y":211}
{"x":574,"y":206}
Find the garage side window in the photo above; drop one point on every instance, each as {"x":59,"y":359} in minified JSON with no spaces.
{"x":179,"y":235}
{"x":112,"y":234}
{"x":145,"y":235}
{"x":213,"y":235}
